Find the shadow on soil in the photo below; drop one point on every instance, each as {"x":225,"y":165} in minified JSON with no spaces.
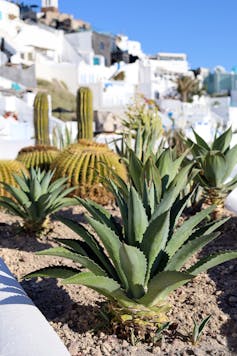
{"x":225,"y":278}
{"x":56,"y":305}
{"x":14,"y":237}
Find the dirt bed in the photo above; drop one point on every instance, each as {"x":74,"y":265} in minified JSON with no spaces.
{"x":73,"y":311}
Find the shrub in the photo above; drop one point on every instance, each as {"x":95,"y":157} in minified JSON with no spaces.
{"x":36,"y":198}
{"x":138,"y":261}
{"x":215,"y":163}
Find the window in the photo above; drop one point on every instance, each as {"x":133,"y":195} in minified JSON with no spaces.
{"x":102,"y":46}
{"x":0,"y":15}
{"x":96,"y":61}
{"x":30,"y":56}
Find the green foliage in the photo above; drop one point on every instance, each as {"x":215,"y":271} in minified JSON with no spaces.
{"x":85,"y":165}
{"x":85,"y":113}
{"x":187,"y":87}
{"x":215,"y":162}
{"x":138,"y":261}
{"x":36,"y":198}
{"x":198,"y":329}
{"x":39,"y":156}
{"x":119,"y":76}
{"x":41,"y":119}
{"x":143,"y":128}
{"x":63,"y":137}
{"x":7,"y":170}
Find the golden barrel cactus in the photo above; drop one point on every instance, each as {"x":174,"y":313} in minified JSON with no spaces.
{"x":85,"y":164}
{"x":39,"y":156}
{"x":7,"y":170}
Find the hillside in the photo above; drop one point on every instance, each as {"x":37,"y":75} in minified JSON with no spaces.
{"x":61,"y":98}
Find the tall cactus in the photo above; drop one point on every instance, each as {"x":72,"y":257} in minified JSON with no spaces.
{"x":85,"y":113}
{"x":41,"y":119}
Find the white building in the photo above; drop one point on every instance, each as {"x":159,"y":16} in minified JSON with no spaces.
{"x":132,"y":47}
{"x":8,"y":11}
{"x":49,"y":4}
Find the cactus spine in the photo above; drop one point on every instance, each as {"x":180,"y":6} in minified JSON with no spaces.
{"x":41,"y":119}
{"x":85,"y":164}
{"x":7,"y":170}
{"x":37,"y":156}
{"x":85,"y":113}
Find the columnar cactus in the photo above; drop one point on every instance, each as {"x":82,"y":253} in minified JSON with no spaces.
{"x":41,"y":119}
{"x":86,"y":164}
{"x":39,"y":156}
{"x":85,"y":113}
{"x":7,"y":170}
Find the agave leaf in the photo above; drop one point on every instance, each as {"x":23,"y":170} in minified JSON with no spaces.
{"x":112,"y":245}
{"x":104,"y":285}
{"x":17,"y":194}
{"x":22,"y":183}
{"x":201,"y":142}
{"x":135,"y":171}
{"x":186,"y":251}
{"x":122,"y":204}
{"x":137,"y":218}
{"x":9,"y":204}
{"x":211,"y":261}
{"x":53,"y":272}
{"x":92,"y":243}
{"x":46,"y":181}
{"x":177,"y":210}
{"x":198,"y":329}
{"x":83,"y":260}
{"x":57,"y":184}
{"x":185,"y":230}
{"x":162,"y":285}
{"x":134,"y":264}
{"x":208,"y":228}
{"x":154,"y":240}
{"x":214,"y":166}
{"x":231,"y":161}
{"x":223,"y":141}
{"x":101,"y":214}
{"x":197,"y":150}
{"x":173,"y":191}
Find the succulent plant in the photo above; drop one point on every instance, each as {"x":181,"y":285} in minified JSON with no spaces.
{"x":39,"y":156}
{"x":7,"y":170}
{"x":138,"y":261}
{"x":36,"y":198}
{"x":85,"y":113}
{"x":41,"y":119}
{"x":85,"y":165}
{"x":216,"y":163}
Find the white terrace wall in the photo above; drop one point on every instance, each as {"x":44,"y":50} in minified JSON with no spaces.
{"x":63,"y":71}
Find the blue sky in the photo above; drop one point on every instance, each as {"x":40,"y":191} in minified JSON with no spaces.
{"x":204,"y":29}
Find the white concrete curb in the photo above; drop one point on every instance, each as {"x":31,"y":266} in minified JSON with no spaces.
{"x":24,"y":331}
{"x":231,"y":201}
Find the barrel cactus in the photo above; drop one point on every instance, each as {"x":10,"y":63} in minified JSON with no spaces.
{"x":39,"y":156}
{"x":7,"y":170}
{"x":85,"y":113}
{"x":41,"y":119}
{"x":86,"y":164}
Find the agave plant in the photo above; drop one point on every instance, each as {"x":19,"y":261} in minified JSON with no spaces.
{"x":36,"y":198}
{"x":138,"y":261}
{"x":216,"y":163}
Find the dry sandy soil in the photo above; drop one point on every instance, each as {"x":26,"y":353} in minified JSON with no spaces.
{"x":73,"y":311}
